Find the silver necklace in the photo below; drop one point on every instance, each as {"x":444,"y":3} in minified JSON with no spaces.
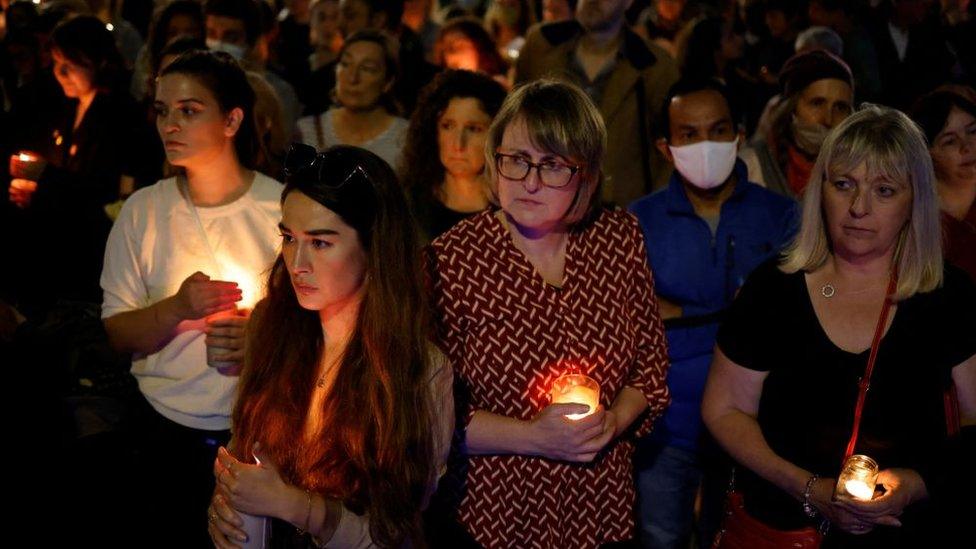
{"x":828,"y":291}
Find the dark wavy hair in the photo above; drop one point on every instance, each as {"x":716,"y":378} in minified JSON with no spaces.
{"x":931,"y":111}
{"x":224,"y":77}
{"x":376,"y":452}
{"x":86,"y":42}
{"x":421,"y":170}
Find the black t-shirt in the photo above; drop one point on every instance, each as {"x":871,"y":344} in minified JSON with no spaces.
{"x":807,"y":404}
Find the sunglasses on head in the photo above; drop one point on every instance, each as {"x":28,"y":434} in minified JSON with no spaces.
{"x":301,"y":157}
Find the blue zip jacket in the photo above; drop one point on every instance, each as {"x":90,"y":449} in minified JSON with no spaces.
{"x":702,"y":273}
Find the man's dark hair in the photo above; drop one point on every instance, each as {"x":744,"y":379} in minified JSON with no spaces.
{"x":247,"y":11}
{"x":393,"y":9}
{"x":687,"y":86}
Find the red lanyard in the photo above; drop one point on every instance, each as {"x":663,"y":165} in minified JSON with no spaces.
{"x":865,"y":382}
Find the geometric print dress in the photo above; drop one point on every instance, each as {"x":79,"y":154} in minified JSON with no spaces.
{"x":508,"y":335}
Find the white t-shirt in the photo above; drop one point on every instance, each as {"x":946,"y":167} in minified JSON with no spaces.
{"x":387,"y":145}
{"x":155,"y":244}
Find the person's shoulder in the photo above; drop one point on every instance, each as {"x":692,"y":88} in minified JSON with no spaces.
{"x":649,"y":204}
{"x":771,"y":199}
{"x":769,"y":276}
{"x":160,"y":194}
{"x":266,"y":187}
{"x":266,"y":191}
{"x":399,"y":127}
{"x":465,"y":234}
{"x":554,"y":33}
{"x":614,"y":224}
{"x":164,"y":190}
{"x":439,"y":366}
{"x":957,"y":286}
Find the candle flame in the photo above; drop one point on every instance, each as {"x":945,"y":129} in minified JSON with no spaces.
{"x":24,"y":157}
{"x":248,"y":283}
{"x":859,"y":489}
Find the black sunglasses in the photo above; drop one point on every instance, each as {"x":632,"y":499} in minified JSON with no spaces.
{"x":301,"y":157}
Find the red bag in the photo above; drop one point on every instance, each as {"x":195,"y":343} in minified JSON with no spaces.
{"x":741,"y":531}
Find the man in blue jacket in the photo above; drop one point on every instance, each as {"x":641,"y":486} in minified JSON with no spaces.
{"x":704,"y":232}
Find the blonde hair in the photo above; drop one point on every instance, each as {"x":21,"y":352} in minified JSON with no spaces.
{"x":888,"y":143}
{"x":560,"y":118}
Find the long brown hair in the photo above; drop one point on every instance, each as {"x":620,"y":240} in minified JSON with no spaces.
{"x":375,"y":453}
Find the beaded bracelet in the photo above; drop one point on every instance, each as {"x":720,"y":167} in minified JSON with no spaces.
{"x":808,"y":508}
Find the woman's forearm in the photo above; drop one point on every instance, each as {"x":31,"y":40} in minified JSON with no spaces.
{"x":144,"y":330}
{"x":742,"y":438}
{"x":489,"y":433}
{"x":629,"y":404}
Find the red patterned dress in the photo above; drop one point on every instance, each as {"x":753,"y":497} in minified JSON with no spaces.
{"x":508,"y":335}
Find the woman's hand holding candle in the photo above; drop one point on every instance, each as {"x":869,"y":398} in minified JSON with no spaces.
{"x":822,"y":499}
{"x":557,"y":437}
{"x":257,"y":489}
{"x":199,"y":296}
{"x":21,"y":191}
{"x":902,"y":488}
{"x":227,"y":333}
{"x":25,"y":170}
{"x":225,"y":522}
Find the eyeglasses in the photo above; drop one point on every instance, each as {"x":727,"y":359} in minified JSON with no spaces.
{"x":301,"y":157}
{"x":551,"y":174}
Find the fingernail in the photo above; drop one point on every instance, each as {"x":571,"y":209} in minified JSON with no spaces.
{"x":242,"y":538}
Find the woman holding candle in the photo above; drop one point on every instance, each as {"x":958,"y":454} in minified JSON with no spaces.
{"x":452,"y":118}
{"x":344,"y":417}
{"x":78,"y":167}
{"x":546,"y":283}
{"x":177,"y":262}
{"x":782,"y":391}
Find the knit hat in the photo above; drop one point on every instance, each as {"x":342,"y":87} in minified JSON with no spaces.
{"x":803,"y":69}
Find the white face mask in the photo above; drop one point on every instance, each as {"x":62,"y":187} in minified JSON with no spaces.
{"x":706,"y":164}
{"x":235,"y":51}
{"x":808,"y":137}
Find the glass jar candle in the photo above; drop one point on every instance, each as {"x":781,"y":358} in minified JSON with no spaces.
{"x":576,"y":389}
{"x":857,"y":478}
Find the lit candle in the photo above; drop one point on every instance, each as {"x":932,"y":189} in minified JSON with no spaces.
{"x":859,"y":489}
{"x":858,"y":478}
{"x":576,"y":389}
{"x":249,"y":285}
{"x":250,"y":294}
{"x":25,"y":165}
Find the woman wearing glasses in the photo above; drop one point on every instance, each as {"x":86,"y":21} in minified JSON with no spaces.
{"x":546,"y":283}
{"x":344,"y":415}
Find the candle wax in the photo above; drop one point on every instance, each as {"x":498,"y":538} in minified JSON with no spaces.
{"x":859,"y":489}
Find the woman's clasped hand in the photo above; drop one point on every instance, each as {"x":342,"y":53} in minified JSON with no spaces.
{"x":557,"y":437}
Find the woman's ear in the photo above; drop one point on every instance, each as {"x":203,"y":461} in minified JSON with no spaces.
{"x":233,"y":122}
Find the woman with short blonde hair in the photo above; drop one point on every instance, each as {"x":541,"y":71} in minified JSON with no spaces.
{"x":889,"y":143}
{"x":861,"y":299}
{"x":547,"y":283}
{"x":561,"y":119}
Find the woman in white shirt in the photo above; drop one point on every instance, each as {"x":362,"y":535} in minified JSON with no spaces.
{"x":366,"y":112}
{"x":181,"y":266}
